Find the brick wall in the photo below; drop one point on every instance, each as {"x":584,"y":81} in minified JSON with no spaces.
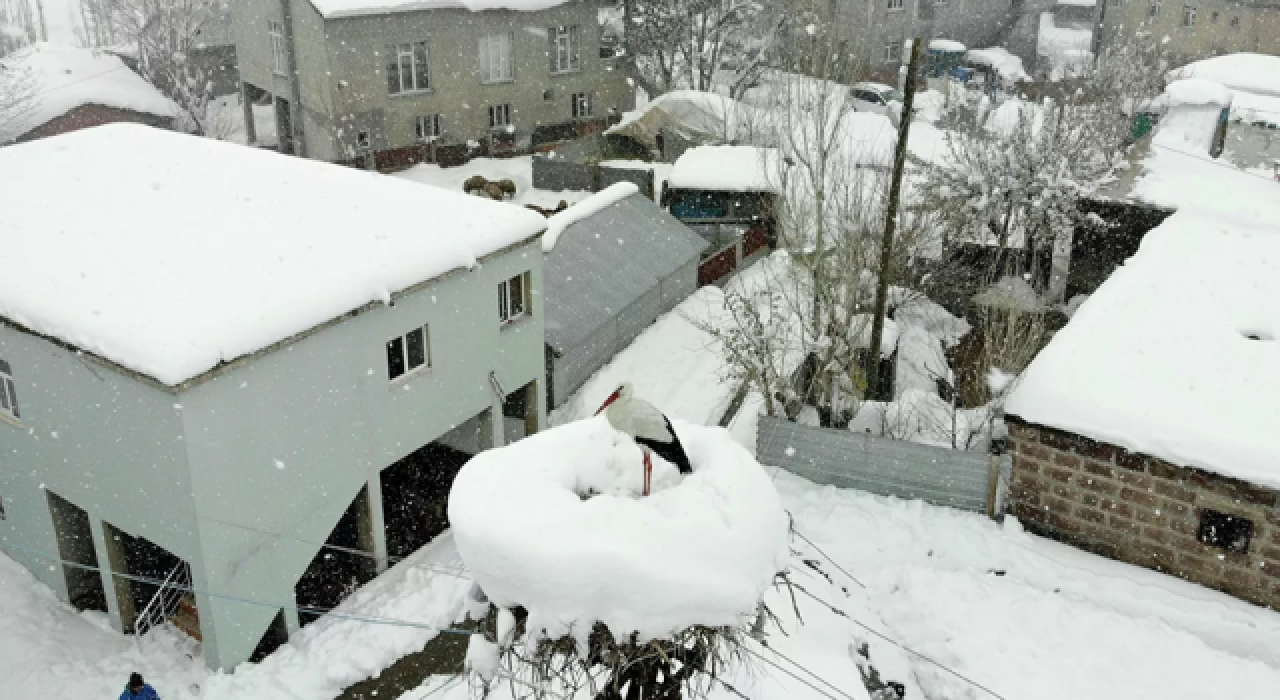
{"x":1143,"y":510}
{"x":86,"y":116}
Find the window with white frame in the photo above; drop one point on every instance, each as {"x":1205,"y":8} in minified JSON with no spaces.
{"x":564,"y":49}
{"x":499,"y":116}
{"x":408,"y":352}
{"x":8,"y":393}
{"x":427,"y":127}
{"x":581,"y":102}
{"x":407,"y":68}
{"x":893,"y":52}
{"x":279,"y":61}
{"x":1153,"y":10}
{"x":513,"y":301}
{"x":1188,"y":15}
{"x":895,"y":5}
{"x":495,"y":58}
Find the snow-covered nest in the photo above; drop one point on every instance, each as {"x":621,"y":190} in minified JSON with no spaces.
{"x":587,"y":208}
{"x":727,"y":169}
{"x":1177,"y":355}
{"x":701,"y":550}
{"x":201,"y":251}
{"x":65,"y":77}
{"x":332,"y":9}
{"x":1246,"y":72}
{"x":1006,"y":65}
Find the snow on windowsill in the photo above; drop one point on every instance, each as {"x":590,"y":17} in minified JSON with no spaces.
{"x":585,"y":209}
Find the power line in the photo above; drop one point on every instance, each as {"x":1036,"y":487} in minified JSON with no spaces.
{"x":824,"y":554}
{"x":903,"y":647}
{"x":393,"y":622}
{"x":811,"y":686}
{"x":820,"y":679}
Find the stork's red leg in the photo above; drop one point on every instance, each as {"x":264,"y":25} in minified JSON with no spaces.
{"x":648,"y":471}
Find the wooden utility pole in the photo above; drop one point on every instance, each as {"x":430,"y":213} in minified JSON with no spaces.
{"x":890,"y":222}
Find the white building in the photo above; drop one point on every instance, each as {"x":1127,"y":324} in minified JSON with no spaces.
{"x":217,"y":357}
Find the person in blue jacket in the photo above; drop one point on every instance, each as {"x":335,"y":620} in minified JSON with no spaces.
{"x":138,"y":689}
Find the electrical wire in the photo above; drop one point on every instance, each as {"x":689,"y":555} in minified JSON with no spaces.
{"x":811,"y":686}
{"x":901,"y":646}
{"x":824,"y":554}
{"x":820,"y":679}
{"x":331,"y":612}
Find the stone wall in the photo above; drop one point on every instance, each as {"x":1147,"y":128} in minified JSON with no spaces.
{"x":1143,"y":510}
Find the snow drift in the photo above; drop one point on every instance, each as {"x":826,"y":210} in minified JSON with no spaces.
{"x":700,"y":550}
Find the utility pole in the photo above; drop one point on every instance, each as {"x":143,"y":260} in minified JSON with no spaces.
{"x":44,"y":30}
{"x":891,"y":219}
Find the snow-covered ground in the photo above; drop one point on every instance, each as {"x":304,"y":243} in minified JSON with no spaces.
{"x":519,"y":170}
{"x":225,"y":121}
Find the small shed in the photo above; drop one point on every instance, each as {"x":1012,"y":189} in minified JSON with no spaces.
{"x":613,"y":264}
{"x":728,"y":196}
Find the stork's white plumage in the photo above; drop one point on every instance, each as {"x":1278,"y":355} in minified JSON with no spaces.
{"x":645,"y":424}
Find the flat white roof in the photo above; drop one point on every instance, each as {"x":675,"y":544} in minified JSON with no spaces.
{"x":169,"y":254}
{"x":334,"y":9}
{"x":726,"y":168}
{"x":63,"y":78}
{"x":1177,"y":355}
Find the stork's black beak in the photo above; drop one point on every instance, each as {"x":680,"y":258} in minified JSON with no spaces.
{"x":612,"y":397}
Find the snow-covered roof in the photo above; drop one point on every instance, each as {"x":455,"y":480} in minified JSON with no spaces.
{"x":614,"y":248}
{"x":726,"y":169}
{"x":65,"y":77}
{"x":334,"y":9}
{"x":1007,"y":65}
{"x":695,"y":114}
{"x":1246,"y":72}
{"x":949,"y":45}
{"x":1196,"y":92}
{"x":1163,"y":359}
{"x":170,"y":254}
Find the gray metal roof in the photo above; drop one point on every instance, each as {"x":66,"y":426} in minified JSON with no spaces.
{"x":603,"y":263}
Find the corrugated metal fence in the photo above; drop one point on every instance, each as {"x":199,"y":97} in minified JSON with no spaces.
{"x":880,"y":465}
{"x":556,"y":175}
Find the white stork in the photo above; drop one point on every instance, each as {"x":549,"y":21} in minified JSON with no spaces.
{"x":647,"y":426}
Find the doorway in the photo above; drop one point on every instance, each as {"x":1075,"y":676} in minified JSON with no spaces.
{"x":415,"y":496}
{"x":284,"y":126}
{"x":75,"y":544}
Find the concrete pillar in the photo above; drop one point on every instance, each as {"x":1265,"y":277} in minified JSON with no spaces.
{"x":372,"y":524}
{"x":535,"y":409}
{"x":111,"y":559}
{"x":250,"y":128}
{"x":497,"y":426}
{"x":291,"y":623}
{"x":485,"y":429}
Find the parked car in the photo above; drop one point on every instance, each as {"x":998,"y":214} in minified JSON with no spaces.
{"x":877,"y":98}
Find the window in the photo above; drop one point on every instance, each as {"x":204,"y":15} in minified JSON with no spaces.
{"x":8,"y":393}
{"x":408,"y":352}
{"x":407,"y":68}
{"x":495,"y":58}
{"x":1153,"y":10}
{"x":512,"y":303}
{"x":279,"y":61}
{"x":362,"y":139}
{"x":564,"y":49}
{"x":1213,"y":18}
{"x":499,"y":116}
{"x":1188,"y":15}
{"x":1229,"y":532}
{"x":581,"y":104}
{"x":895,"y":5}
{"x":427,"y":127}
{"x":1235,"y":22}
{"x":892,"y":52}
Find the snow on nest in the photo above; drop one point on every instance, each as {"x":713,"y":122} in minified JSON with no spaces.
{"x":702,"y":549}
{"x":585,"y":209}
{"x":64,"y":78}
{"x":1177,"y":355}
{"x":201,"y":251}
{"x":333,"y":9}
{"x":726,"y":168}
{"x":1246,"y":72}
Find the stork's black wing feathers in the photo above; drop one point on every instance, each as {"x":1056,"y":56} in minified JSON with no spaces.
{"x":672,"y":451}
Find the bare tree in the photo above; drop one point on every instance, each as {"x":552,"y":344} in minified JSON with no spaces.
{"x":18,"y":98}
{"x":166,"y":32}
{"x":674,"y":44}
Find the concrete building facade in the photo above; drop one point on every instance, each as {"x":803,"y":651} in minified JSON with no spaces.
{"x":354,"y":83}
{"x":1197,"y":28}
